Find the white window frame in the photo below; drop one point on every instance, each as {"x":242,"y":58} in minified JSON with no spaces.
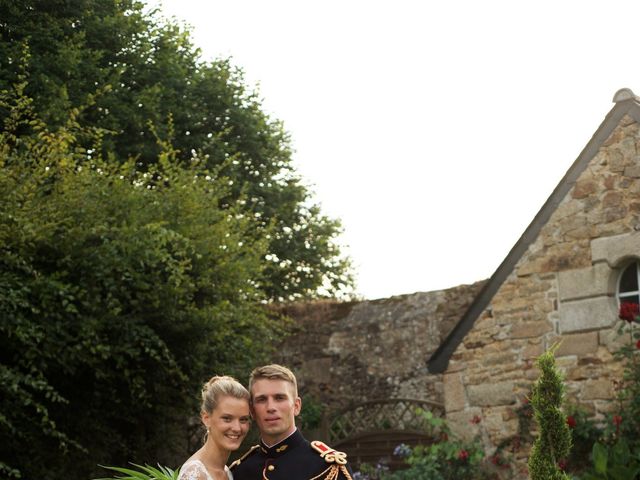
{"x":631,"y":293}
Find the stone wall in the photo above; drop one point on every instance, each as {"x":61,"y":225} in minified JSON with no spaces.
{"x":563,"y":288}
{"x":347,"y":353}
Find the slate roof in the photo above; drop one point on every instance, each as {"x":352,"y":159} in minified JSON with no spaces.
{"x":626,"y":103}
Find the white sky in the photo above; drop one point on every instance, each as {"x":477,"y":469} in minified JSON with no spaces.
{"x":434,"y":130}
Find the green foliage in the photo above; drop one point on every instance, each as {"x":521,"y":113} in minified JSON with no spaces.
{"x":144,"y":473}
{"x":553,"y":444}
{"x":585,"y":432}
{"x":629,"y":387}
{"x":120,"y":290}
{"x":311,"y":415}
{"x":615,"y":462}
{"x":150,"y":71}
{"x":445,"y":459}
{"x":616,"y":453}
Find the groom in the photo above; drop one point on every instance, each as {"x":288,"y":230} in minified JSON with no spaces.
{"x":283,"y":453}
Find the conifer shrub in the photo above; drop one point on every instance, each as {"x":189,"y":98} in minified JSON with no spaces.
{"x":553,"y":443}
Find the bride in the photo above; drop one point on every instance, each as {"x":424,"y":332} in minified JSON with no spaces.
{"x":225,"y":413}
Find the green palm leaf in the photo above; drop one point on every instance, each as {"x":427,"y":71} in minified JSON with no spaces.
{"x":145,"y":472}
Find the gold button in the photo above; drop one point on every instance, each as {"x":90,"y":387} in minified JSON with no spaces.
{"x":271,"y":468}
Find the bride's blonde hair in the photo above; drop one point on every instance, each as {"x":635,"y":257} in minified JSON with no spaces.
{"x":220,"y":386}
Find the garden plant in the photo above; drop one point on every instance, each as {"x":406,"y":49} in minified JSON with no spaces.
{"x":553,"y":442}
{"x":616,"y":453}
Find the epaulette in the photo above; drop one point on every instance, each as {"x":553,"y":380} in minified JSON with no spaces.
{"x":329,"y":454}
{"x":243,"y":457}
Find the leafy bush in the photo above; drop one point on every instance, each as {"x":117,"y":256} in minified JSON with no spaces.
{"x":120,"y":291}
{"x":615,"y":462}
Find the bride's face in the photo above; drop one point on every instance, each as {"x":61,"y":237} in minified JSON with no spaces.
{"x":229,"y":422}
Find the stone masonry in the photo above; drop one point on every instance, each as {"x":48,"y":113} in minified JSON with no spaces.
{"x":562,"y":289}
{"x":349,"y":353}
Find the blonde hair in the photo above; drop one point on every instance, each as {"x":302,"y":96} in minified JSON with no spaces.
{"x":220,"y":386}
{"x":274,"y":372}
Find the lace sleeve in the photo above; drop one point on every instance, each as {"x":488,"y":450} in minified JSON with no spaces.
{"x":192,"y":471}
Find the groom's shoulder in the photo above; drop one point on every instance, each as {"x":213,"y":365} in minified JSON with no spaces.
{"x":328,"y":454}
{"x":244,"y":457}
{"x":334,"y":459}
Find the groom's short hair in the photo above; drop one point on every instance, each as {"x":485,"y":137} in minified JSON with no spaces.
{"x":273,"y":372}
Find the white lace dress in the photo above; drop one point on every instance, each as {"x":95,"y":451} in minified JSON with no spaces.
{"x":195,"y":470}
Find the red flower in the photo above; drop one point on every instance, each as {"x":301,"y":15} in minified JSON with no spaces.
{"x":476,"y":419}
{"x":638,"y":344}
{"x":562,"y":465}
{"x":617,"y":420}
{"x":628,"y":311}
{"x":463,"y":455}
{"x":571,"y":422}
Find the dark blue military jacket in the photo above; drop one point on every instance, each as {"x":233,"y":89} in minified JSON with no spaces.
{"x":292,"y":459}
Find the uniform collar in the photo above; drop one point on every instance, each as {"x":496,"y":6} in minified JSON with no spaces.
{"x":284,"y":446}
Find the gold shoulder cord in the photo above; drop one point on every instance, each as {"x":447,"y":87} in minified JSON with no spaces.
{"x":336,"y":458}
{"x":333,"y":472}
{"x":239,"y":460}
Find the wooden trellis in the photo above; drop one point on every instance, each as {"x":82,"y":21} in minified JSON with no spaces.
{"x":375,"y":416}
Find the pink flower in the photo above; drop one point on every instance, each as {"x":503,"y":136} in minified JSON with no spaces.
{"x":628,"y":311}
{"x":562,"y":465}
{"x":638,"y":344}
{"x":463,"y":455}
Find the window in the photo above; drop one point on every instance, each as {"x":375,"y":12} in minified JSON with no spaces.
{"x":629,"y":284}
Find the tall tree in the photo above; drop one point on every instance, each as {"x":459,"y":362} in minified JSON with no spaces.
{"x":121,"y":289}
{"x":154,"y":73}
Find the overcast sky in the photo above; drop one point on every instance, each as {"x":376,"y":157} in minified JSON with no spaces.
{"x":434,"y":130}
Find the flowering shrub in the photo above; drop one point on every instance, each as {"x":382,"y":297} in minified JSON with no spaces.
{"x":584,"y":433}
{"x":446,"y":459}
{"x":627,"y":420}
{"x":616,"y":453}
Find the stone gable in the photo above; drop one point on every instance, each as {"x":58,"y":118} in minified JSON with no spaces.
{"x":558,"y":284}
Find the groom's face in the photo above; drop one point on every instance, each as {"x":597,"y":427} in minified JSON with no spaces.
{"x":274,"y":407}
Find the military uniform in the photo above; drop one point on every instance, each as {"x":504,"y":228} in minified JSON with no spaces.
{"x":294,"y":458}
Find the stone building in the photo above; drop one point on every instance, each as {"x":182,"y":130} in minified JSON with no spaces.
{"x":472,"y":348}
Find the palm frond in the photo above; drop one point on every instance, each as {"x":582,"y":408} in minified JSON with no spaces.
{"x":145,"y":472}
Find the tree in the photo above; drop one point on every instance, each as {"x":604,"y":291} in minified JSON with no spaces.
{"x":155,"y":72}
{"x":121,"y":290}
{"x":553,"y":443}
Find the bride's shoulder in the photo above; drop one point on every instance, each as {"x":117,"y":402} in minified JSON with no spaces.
{"x":193,"y":469}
